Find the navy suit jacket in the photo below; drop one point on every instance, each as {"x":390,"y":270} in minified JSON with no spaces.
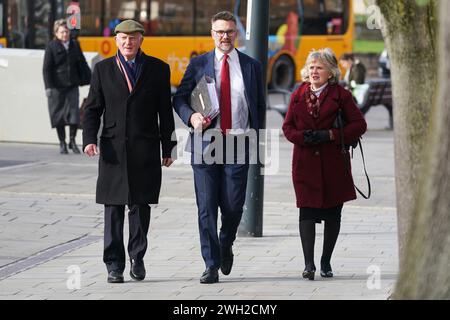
{"x":204,"y":65}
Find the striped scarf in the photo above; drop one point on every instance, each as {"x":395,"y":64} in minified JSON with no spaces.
{"x":130,"y":75}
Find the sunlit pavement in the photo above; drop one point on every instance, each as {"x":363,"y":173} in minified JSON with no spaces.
{"x":51,"y":232}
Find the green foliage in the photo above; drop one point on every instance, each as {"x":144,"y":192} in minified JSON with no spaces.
{"x":360,"y":18}
{"x":422,"y":3}
{"x":368,"y":46}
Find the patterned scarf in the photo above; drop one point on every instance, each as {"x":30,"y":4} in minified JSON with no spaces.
{"x":131,"y":75}
{"x":313,"y":102}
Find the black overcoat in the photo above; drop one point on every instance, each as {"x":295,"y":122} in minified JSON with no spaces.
{"x":61,"y":75}
{"x":60,"y":66}
{"x":135,"y":126}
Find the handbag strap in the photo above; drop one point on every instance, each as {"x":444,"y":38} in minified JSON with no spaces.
{"x":346,"y":153}
{"x":369,"y":189}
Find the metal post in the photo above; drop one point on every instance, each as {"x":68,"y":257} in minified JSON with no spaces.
{"x":256,"y":46}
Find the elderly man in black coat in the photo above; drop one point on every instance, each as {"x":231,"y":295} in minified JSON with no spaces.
{"x":132,"y":92}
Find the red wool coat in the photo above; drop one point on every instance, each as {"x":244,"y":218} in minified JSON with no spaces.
{"x":319,"y":173}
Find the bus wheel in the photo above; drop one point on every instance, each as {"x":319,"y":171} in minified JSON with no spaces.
{"x":283,"y":73}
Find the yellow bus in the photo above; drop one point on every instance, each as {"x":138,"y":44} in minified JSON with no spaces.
{"x":177,"y":30}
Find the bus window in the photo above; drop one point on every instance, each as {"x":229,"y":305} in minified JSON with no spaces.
{"x":278,"y":18}
{"x":40,"y":35}
{"x":335,"y":11}
{"x":90,"y":17}
{"x":173,"y":18}
{"x":17,"y":13}
{"x":324,"y":17}
{"x":206,"y":9}
{"x":118,"y":10}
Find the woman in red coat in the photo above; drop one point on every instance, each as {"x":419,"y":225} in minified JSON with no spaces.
{"x":322,"y":177}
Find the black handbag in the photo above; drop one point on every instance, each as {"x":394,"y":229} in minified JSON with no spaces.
{"x":84,"y":72}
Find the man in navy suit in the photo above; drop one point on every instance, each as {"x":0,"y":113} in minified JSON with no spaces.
{"x":222,"y":182}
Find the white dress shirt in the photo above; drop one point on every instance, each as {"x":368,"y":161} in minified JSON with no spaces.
{"x":239,"y":106}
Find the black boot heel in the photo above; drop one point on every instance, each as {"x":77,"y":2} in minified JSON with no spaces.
{"x":73,"y":146}
{"x":63,"y":148}
{"x":309,"y":274}
{"x":326,"y":274}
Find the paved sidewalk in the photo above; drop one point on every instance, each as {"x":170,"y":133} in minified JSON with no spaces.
{"x":50,"y":224}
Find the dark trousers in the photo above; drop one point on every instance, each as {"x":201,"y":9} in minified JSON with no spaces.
{"x":224,"y":186}
{"x":114,"y":250}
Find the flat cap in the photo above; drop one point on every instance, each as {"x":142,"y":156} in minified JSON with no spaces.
{"x":129,"y":26}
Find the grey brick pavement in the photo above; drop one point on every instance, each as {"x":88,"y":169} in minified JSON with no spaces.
{"x":50,"y":201}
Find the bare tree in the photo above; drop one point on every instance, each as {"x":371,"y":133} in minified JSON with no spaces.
{"x":409,"y":31}
{"x":421,"y":81}
{"x":425,"y":273}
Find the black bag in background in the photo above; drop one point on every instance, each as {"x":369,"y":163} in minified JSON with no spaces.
{"x":84,"y":72}
{"x":82,"y":110}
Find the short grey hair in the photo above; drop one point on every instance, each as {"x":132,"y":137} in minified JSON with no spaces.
{"x":328,"y":58}
{"x":224,"y":15}
{"x":59,"y":23}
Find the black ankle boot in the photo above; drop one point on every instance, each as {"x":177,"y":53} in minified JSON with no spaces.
{"x":309,"y":273}
{"x":63,"y":147}
{"x":325,"y":270}
{"x":73,"y":146}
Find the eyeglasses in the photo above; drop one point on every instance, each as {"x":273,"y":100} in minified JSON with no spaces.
{"x":221,"y":33}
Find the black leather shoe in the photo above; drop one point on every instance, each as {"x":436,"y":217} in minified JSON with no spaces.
{"x":73,"y":146}
{"x":211,"y":275}
{"x":309,"y":274}
{"x":226,"y":260}
{"x":326,"y":274}
{"x":115,"y":277}
{"x":63,"y":148}
{"x":137,"y":270}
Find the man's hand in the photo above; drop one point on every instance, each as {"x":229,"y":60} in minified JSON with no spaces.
{"x":48,"y":92}
{"x":91,"y":150}
{"x":199,"y":122}
{"x":167,"y":162}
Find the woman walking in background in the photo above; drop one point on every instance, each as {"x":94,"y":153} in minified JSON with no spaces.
{"x":62,"y":61}
{"x":321,"y":172}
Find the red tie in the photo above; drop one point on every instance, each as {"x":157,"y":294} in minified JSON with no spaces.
{"x":225,"y":96}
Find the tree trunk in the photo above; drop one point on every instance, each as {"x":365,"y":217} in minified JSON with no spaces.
{"x":425,"y":272}
{"x":409,"y":31}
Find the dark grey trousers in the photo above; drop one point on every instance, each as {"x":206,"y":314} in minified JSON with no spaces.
{"x":114,"y":250}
